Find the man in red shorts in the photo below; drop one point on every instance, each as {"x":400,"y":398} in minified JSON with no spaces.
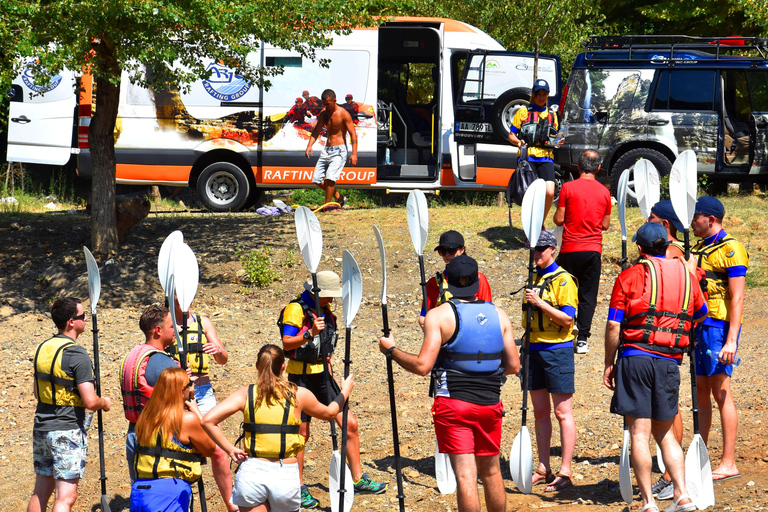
{"x":469,"y":347}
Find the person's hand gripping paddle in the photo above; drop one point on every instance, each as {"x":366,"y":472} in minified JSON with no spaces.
{"x":698,"y":469}
{"x":390,"y":376}
{"x":310,"y":238}
{"x":94,"y":290}
{"x":521,"y":455}
{"x":418,"y":225}
{"x":625,"y":478}
{"x":646,"y":181}
{"x":352,"y":295}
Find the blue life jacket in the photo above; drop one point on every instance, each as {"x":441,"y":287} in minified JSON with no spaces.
{"x":477,"y":344}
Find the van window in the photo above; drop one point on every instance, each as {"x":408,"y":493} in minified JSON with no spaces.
{"x":601,"y":90}
{"x":685,"y":90}
{"x":758,"y":89}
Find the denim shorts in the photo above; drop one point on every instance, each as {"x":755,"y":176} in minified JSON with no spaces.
{"x":330,"y":164}
{"x":206,"y":400}
{"x":260,"y":481}
{"x":60,"y":453}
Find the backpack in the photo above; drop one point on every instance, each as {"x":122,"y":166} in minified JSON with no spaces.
{"x":521,"y":179}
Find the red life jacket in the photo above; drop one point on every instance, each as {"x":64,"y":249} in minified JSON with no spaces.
{"x":133,"y":383}
{"x":660,"y":326}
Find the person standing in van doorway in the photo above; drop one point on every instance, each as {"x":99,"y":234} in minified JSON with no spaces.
{"x":536,"y":127}
{"x":584,"y":211}
{"x":334,"y":155}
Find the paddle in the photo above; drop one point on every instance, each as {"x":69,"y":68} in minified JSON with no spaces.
{"x":164,"y":260}
{"x":646,"y":180}
{"x":521,"y":455}
{"x":698,"y":469}
{"x":390,"y":377}
{"x":94,"y":290}
{"x":352,"y":294}
{"x":310,"y":238}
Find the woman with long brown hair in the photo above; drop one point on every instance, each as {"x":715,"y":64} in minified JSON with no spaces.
{"x":268,"y":478}
{"x":170,"y":446}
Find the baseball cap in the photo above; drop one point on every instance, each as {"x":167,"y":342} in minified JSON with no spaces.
{"x":546,"y":239}
{"x":649,"y":233}
{"x":461,"y":274}
{"x":540,"y":84}
{"x":664,"y":210}
{"x":328,"y":282}
{"x":709,"y":205}
{"x":450,"y":240}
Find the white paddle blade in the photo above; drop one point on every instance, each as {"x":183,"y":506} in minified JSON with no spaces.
{"x":418,"y":220}
{"x":558,"y":232}
{"x":698,"y":474}
{"x":186,"y":275}
{"x":446,"y":478}
{"x":521,"y":460}
{"x":94,"y":279}
{"x":532,"y":210}
{"x":351,"y":287}
{"x":383,"y":255}
{"x":164,"y":259}
{"x":621,"y":199}
{"x":660,"y":460}
{"x":310,"y":236}
{"x":682,"y":186}
{"x":625,"y":478}
{"x":647,"y":186}
{"x":171,"y":293}
{"x":334,"y":478}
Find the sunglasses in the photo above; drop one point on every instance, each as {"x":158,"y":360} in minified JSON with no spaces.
{"x":189,"y":385}
{"x":442,"y":251}
{"x":79,"y":317}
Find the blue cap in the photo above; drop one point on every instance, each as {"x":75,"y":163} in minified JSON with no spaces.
{"x":709,"y":205}
{"x":540,"y":84}
{"x":663,"y":210}
{"x":546,"y":239}
{"x":649,"y":233}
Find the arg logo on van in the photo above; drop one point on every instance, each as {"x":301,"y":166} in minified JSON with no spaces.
{"x":29,"y":80}
{"x":224,"y":84}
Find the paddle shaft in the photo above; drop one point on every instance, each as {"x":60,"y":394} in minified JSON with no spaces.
{"x":344,"y":416}
{"x":201,"y":492}
{"x":393,"y":413}
{"x":423,"y":283}
{"x":623,"y":254}
{"x":527,"y":342}
{"x":692,"y":346}
{"x":97,"y":379}
{"x":183,"y":348}
{"x":318,"y":311}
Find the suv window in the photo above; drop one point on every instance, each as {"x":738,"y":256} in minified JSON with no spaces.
{"x":758,"y":88}
{"x":685,"y":90}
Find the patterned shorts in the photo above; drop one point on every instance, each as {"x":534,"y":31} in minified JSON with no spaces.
{"x":60,"y":453}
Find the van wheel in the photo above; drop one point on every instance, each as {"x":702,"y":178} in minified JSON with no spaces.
{"x":505,"y":107}
{"x":223,"y":187}
{"x":627,"y":160}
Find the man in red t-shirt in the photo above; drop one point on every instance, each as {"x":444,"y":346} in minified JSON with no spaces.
{"x":584,"y":211}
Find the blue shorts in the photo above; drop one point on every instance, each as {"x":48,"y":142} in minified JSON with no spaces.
{"x":552,"y":370}
{"x":646,"y":387}
{"x":206,"y":400}
{"x":160,"y":494}
{"x":712,"y":338}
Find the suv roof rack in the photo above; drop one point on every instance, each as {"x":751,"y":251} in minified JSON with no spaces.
{"x":637,"y":47}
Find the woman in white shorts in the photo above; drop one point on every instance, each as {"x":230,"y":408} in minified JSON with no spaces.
{"x":269,"y":470}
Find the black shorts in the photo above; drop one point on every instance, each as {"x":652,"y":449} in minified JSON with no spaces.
{"x":321,"y":385}
{"x":646,"y":387}
{"x":552,"y":370}
{"x":544,"y":170}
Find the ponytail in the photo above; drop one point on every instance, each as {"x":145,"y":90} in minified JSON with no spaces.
{"x":271,"y":387}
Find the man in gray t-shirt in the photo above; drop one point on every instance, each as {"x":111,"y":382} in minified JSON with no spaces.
{"x":64,"y":388}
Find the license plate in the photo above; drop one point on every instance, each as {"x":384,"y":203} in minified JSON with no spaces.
{"x":474,"y":127}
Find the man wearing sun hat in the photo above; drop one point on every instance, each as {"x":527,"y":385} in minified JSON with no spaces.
{"x":469,"y":347}
{"x":725,"y":262}
{"x":309,"y":342}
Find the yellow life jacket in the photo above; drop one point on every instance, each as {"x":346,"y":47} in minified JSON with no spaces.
{"x":715,"y":284}
{"x":270,"y":431}
{"x":443,"y":295}
{"x":543,"y":328}
{"x":53,"y":385}
{"x":198,"y":360}
{"x":167,"y":459}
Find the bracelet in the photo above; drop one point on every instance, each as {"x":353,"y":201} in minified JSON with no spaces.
{"x":340,"y":400}
{"x":388,"y":353}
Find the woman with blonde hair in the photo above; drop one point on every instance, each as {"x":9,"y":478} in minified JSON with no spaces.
{"x":170,"y":446}
{"x":268,"y":478}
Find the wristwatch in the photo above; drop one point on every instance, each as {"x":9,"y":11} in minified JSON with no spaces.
{"x":307,"y":335}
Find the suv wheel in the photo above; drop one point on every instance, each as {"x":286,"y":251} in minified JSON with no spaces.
{"x":627,"y":160}
{"x":505,"y":107}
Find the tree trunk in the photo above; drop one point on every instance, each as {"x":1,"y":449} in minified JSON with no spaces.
{"x":101,"y":138}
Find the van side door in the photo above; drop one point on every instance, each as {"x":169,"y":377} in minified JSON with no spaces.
{"x":758,"y":92}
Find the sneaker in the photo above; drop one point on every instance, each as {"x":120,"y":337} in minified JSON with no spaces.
{"x":582,"y":347}
{"x":367,"y":486}
{"x":662,"y":489}
{"x":307,"y":501}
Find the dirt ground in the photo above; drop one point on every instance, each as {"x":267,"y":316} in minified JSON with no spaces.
{"x":41,"y":258}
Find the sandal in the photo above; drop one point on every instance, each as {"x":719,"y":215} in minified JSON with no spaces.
{"x":548,"y":476}
{"x":650,"y":507}
{"x":677,"y":507}
{"x":565,"y":482}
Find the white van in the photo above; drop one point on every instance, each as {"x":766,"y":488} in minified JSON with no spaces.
{"x":231,"y":140}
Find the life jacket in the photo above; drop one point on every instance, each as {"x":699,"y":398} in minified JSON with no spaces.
{"x":443,"y":295}
{"x":715,"y":282}
{"x":659,"y":320}
{"x":133,"y":383}
{"x":167,"y":459}
{"x":53,"y":385}
{"x":270,"y":431}
{"x":198,"y":360}
{"x":537,"y":131}
{"x":543,"y":326}
{"x":319,"y":347}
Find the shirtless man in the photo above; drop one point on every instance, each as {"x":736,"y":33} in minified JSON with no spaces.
{"x":334,"y":155}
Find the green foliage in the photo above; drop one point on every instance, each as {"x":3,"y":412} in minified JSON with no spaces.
{"x":258,"y":266}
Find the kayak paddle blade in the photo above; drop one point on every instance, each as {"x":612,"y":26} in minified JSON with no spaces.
{"x":625,"y":478}
{"x":310,"y":237}
{"x":532,"y":210}
{"x":698,"y":474}
{"x":621,"y":199}
{"x":446,"y":479}
{"x":334,"y":477}
{"x":383,"y":255}
{"x":164,"y":259}
{"x":682,"y":187}
{"x":94,"y":279}
{"x":418,"y":220}
{"x":521,"y":460}
{"x":351,"y":287}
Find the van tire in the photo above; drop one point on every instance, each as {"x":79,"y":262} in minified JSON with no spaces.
{"x":628,"y":159}
{"x":223,"y":187}
{"x":504,"y":108}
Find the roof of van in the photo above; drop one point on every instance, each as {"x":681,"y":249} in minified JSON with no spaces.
{"x":449,"y":25}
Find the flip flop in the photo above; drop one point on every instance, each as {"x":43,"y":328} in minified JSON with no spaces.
{"x":719,"y":477}
{"x":565,"y":482}
{"x":549,"y":477}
